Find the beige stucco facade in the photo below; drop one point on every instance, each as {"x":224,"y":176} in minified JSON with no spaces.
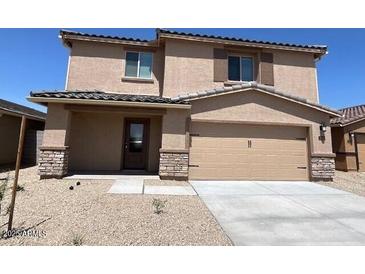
{"x":295,"y":73}
{"x":100,"y":66}
{"x":179,"y":67}
{"x":91,"y":137}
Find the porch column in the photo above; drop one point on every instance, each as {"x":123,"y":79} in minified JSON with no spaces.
{"x":54,"y":152}
{"x":322,"y":159}
{"x":174,"y":152}
{"x":323,"y":167}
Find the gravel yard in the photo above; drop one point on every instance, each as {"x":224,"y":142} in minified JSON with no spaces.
{"x":88,"y":215}
{"x":348,"y":181}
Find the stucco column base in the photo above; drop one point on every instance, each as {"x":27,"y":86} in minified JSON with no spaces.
{"x":53,"y":162}
{"x":322,"y":167}
{"x":174,"y":164}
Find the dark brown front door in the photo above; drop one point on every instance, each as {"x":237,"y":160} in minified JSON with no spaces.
{"x":135,"y":143}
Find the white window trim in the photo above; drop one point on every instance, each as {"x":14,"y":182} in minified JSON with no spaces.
{"x":253,"y":66}
{"x":138,"y":65}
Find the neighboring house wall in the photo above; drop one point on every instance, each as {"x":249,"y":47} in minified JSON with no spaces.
{"x":101,"y":66}
{"x":9,"y":138}
{"x":345,"y":146}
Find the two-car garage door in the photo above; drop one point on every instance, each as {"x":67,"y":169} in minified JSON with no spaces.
{"x":247,"y":152}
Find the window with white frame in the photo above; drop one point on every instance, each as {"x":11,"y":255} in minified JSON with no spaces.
{"x":138,"y":64}
{"x":240,"y":68}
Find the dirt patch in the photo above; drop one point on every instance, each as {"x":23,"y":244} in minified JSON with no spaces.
{"x":88,"y":215}
{"x":348,"y":181}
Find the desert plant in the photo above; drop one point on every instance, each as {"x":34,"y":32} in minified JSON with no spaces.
{"x":19,"y":188}
{"x":77,"y":240}
{"x":158,"y":205}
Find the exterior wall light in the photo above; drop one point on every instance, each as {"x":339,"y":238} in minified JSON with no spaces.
{"x":323,"y":128}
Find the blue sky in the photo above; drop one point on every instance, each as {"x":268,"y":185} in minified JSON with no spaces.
{"x":35,"y":59}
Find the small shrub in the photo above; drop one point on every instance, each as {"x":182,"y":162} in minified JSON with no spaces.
{"x":158,"y":205}
{"x":19,"y":188}
{"x":77,"y":240}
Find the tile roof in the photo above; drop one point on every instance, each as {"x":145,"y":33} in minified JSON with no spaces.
{"x":320,"y":47}
{"x":350,"y":115}
{"x":100,"y":95}
{"x":70,"y":32}
{"x":21,"y":110}
{"x":250,"y":86}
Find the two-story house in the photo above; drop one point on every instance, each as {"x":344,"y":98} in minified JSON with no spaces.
{"x":188,"y":106}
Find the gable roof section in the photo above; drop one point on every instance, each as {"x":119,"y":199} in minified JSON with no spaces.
{"x":100,"y":96}
{"x":20,"y":110}
{"x":350,"y":115}
{"x":258,"y":87}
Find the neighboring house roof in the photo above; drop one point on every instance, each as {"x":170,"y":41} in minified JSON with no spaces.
{"x":161,"y":33}
{"x":169,"y":32}
{"x":19,"y":110}
{"x":259,"y":87}
{"x":350,"y":115}
{"x":103,"y":96}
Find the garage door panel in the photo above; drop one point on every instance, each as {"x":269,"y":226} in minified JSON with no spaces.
{"x":231,"y":151}
{"x":217,"y":161}
{"x":212,"y":142}
{"x":214,"y":173}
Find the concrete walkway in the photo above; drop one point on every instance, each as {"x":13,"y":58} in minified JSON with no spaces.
{"x":285,"y":213}
{"x":135,"y":185}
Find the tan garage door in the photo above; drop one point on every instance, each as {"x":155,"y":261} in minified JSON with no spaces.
{"x":247,"y":152}
{"x":360,"y":139}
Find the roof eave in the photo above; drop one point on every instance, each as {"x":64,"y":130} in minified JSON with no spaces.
{"x":318,"y":52}
{"x":43,"y":100}
{"x":349,"y":123}
{"x":20,"y":114}
{"x":67,"y":38}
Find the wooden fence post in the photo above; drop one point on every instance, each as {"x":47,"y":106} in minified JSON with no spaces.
{"x":17,"y":167}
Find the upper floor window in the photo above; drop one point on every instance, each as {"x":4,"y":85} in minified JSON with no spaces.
{"x":240,"y":68}
{"x":138,"y":64}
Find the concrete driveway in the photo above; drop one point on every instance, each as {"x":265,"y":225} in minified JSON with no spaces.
{"x":284,"y":213}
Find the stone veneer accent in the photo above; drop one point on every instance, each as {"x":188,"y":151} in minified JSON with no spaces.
{"x":322,"y":168}
{"x":174,"y":164}
{"x":53,"y":162}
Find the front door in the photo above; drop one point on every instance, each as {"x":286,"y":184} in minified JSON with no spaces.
{"x":135,"y":143}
